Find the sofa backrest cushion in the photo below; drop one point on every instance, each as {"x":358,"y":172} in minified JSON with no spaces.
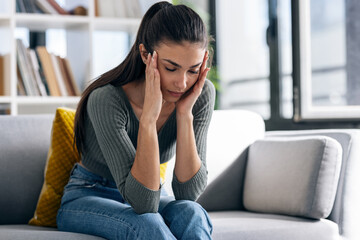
{"x":230,"y":134}
{"x":294,"y":176}
{"x":24,"y":144}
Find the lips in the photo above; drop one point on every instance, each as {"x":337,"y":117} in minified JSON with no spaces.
{"x":176,"y":94}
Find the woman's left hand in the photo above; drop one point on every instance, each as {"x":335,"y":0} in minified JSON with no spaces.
{"x":187,"y":101}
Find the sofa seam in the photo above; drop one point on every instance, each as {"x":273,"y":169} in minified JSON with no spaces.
{"x":317,"y":177}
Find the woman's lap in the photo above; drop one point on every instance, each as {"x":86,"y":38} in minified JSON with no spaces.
{"x":94,"y":206}
{"x":110,"y":219}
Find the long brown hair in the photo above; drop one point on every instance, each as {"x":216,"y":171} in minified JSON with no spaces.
{"x":162,"y":22}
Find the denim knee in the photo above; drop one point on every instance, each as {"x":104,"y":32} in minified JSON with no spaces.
{"x":187,"y":220}
{"x":151,"y":226}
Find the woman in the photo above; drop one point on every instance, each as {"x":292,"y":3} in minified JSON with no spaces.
{"x":127,"y":124}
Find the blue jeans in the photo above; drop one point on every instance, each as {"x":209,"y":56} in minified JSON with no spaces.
{"x":93,"y":205}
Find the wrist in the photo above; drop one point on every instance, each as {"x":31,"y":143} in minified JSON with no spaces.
{"x":147,"y":122}
{"x":183,"y":116}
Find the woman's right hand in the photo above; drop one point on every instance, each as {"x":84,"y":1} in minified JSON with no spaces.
{"x":153,"y":96}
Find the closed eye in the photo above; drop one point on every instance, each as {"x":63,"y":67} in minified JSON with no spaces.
{"x":194,"y":72}
{"x":170,"y":69}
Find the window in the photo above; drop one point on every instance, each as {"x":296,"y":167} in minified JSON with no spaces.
{"x":243,"y":55}
{"x":327,"y":69}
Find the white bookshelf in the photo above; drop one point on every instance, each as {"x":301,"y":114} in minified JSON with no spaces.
{"x":80,"y":33}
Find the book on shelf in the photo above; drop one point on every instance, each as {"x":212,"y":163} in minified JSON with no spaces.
{"x":49,"y":73}
{"x":20,"y":7}
{"x":41,"y":73}
{"x":75,"y":91}
{"x":118,"y":8}
{"x":26,"y":71}
{"x":5,"y":75}
{"x":36,"y":69}
{"x":59,"y":77}
{"x":20,"y":84}
{"x":57,"y":7}
{"x":58,"y":73}
{"x":46,"y":7}
{"x":27,"y":6}
{"x":69,"y":84}
{"x":105,"y":8}
{"x":5,"y":109}
{"x":96,"y":8}
{"x":133,"y":8}
{"x":2,"y":76}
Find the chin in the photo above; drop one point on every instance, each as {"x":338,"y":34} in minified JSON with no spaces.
{"x":171,"y":99}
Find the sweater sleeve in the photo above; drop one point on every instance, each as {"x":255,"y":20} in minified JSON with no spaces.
{"x":202,"y":112}
{"x":108,"y":114}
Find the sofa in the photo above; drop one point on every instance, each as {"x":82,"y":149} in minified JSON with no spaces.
{"x":257,"y":185}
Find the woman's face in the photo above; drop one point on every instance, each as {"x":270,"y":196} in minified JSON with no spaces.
{"x":179,"y":67}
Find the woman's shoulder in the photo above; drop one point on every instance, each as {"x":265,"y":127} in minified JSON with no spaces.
{"x":209,"y":88}
{"x":208,"y":92}
{"x":106,"y":93}
{"x":206,"y":99}
{"x":108,"y":96}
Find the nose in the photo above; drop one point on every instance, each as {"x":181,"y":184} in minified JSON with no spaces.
{"x":181,"y":82}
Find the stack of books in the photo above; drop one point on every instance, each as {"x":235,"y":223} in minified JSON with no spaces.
{"x":41,"y":73}
{"x":122,"y":8}
{"x":43,"y":6}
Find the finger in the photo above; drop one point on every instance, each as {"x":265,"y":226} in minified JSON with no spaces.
{"x":201,"y":82}
{"x":147,"y":62}
{"x":153,"y":65}
{"x":206,"y":56}
{"x":154,"y":59}
{"x":203,"y":77}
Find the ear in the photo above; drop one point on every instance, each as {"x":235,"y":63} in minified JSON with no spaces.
{"x":143,"y":52}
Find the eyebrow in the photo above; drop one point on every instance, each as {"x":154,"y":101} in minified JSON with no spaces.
{"x":178,"y":65}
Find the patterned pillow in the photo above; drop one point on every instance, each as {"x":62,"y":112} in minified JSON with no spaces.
{"x":61,"y":158}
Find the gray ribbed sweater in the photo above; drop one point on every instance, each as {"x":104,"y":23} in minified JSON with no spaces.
{"x":111,"y":138}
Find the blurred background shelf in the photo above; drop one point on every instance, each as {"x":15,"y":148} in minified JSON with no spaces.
{"x":92,"y":43}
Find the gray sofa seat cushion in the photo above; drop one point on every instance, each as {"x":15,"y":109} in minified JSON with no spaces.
{"x":256,"y":226}
{"x":21,"y":232}
{"x":293,"y":176}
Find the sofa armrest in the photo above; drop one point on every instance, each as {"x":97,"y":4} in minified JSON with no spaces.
{"x":226,"y":191}
{"x":346,"y":210}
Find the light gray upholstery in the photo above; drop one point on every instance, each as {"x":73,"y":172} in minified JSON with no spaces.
{"x":25,"y":141}
{"x":254,"y":226}
{"x":346,"y":210}
{"x":22,"y":232}
{"x":226,"y":191}
{"x":295,"y":176}
{"x":24,"y":144}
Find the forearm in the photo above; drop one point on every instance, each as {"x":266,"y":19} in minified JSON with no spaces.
{"x":187,"y":162}
{"x":147,"y":163}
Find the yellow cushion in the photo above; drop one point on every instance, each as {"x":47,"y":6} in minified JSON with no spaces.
{"x":61,"y":158}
